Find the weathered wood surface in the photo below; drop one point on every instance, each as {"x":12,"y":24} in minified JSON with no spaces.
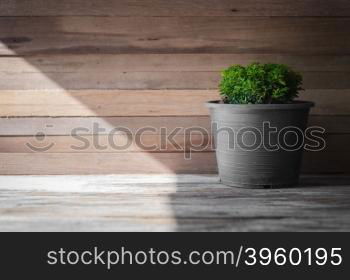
{"x":17,"y":158}
{"x":52,"y":126}
{"x":106,"y":163}
{"x":76,"y":61}
{"x":106,"y":103}
{"x":114,"y":143}
{"x":157,"y":71}
{"x":175,"y":8}
{"x":170,"y":203}
{"x":194,"y":62}
{"x":116,"y":35}
{"x":18,"y":126}
{"x":79,"y":80}
{"x":125,"y":142}
{"x":326,"y":162}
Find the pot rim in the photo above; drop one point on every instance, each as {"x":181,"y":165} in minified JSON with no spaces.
{"x":295,"y":105}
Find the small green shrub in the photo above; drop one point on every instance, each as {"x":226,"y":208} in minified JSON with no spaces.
{"x":259,"y":84}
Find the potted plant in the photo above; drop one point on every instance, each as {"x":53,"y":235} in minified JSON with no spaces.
{"x":258,"y":128}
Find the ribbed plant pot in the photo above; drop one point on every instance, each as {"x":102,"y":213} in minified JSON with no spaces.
{"x":259,"y":145}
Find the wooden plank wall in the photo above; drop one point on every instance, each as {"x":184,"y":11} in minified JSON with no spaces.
{"x":134,"y":63}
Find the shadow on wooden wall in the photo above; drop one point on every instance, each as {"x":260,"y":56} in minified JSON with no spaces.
{"x":67,"y":64}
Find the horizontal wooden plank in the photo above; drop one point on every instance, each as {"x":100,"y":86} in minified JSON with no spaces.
{"x":103,"y":126}
{"x":328,"y":102}
{"x":326,"y":163}
{"x":127,"y":163}
{"x":52,"y":35}
{"x":109,"y":163}
{"x":120,"y":143}
{"x":162,"y":71}
{"x":147,"y":80}
{"x":123,"y":143}
{"x":169,"y":203}
{"x":175,"y":8}
{"x":160,"y":125}
{"x":196,"y":62}
{"x":331,"y":124}
{"x":140,"y":102}
{"x":104,"y":103}
{"x":134,"y":80}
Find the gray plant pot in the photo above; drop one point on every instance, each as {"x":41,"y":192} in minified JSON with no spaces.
{"x":239,"y":129}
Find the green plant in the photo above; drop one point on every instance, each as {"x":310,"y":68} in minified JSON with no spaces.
{"x":259,"y":83}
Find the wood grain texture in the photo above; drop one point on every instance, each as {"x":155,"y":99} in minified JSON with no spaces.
{"x":158,"y":203}
{"x":147,"y":80}
{"x":280,"y":35}
{"x":97,"y":163}
{"x":106,"y":103}
{"x":122,"y":143}
{"x":65,"y":126}
{"x":178,"y":71}
{"x":16,"y":158}
{"x":102,"y":126}
{"x":175,"y":8}
{"x":195,"y":62}
{"x":328,"y":162}
{"x":133,"y":63}
{"x":158,"y":71}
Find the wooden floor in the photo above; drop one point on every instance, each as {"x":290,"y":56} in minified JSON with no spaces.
{"x":169,"y":203}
